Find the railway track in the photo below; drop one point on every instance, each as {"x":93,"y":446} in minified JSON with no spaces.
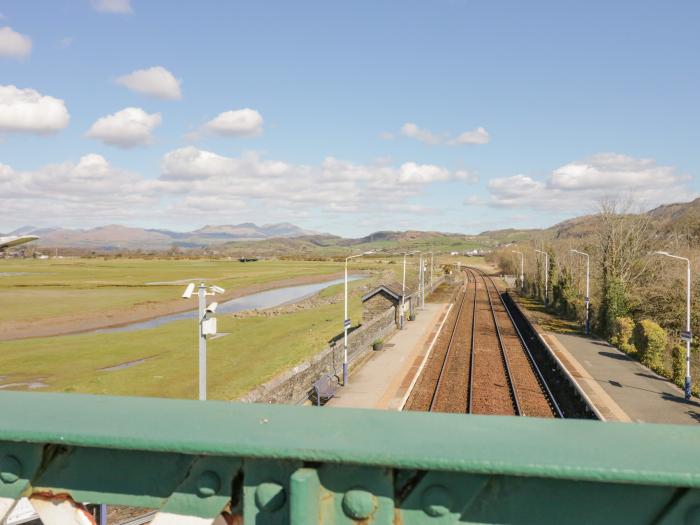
{"x":484,"y":365}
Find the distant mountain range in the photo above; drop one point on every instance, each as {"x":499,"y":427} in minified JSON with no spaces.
{"x":286,"y":239}
{"x":247,"y":239}
{"x":679,"y":217}
{"x":115,"y":236}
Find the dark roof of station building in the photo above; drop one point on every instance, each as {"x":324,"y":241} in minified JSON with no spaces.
{"x":393,"y":289}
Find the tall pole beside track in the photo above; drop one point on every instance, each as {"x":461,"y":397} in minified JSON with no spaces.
{"x":546,"y":275}
{"x":522,"y":270}
{"x":346,"y":318}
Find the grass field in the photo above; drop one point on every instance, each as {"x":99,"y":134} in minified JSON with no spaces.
{"x":59,"y":287}
{"x":256,"y":349}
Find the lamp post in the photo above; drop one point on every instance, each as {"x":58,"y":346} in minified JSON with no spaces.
{"x":546,"y":275}
{"x":431,"y":274}
{"x":421,"y":281}
{"x":588,"y":289}
{"x":206,"y":325}
{"x":403,"y":288}
{"x":687,"y":336}
{"x":346,"y":319}
{"x":423,"y":261}
{"x":522,"y":270}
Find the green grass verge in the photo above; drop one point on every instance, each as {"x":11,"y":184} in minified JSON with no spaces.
{"x":256,"y":349}
{"x":54,"y":287}
{"x":547,"y":320}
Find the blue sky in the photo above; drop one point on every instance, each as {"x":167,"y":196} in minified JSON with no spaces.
{"x":344,"y":117}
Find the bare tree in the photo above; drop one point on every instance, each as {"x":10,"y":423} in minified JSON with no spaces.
{"x":623,"y":240}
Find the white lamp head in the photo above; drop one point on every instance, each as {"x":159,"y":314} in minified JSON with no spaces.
{"x":188,"y":291}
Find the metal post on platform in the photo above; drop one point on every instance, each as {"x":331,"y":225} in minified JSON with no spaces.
{"x":421,"y":284}
{"x":546,"y":275}
{"x":588,"y":289}
{"x":402,"y":317}
{"x":522,"y":270}
{"x":687,"y":335}
{"x":430,"y":289}
{"x":346,"y":318}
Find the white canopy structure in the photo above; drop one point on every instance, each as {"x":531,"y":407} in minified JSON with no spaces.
{"x":15,"y":240}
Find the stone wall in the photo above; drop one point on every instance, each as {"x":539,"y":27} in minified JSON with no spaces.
{"x":294,"y":385}
{"x":377,"y":305}
{"x":436,"y":283}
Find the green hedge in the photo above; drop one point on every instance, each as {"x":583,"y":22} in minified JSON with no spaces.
{"x":651,"y":340}
{"x":678,"y":365}
{"x":623,"y":329}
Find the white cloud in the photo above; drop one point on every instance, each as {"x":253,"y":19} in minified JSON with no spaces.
{"x":475,"y":136}
{"x":236,"y":123}
{"x":127,"y":128}
{"x":335,"y":185}
{"x":156,"y":82}
{"x":112,"y":6}
{"x":65,"y":42}
{"x":27,"y":110}
{"x":518,"y":191}
{"x":195,"y":182}
{"x":409,"y":129}
{"x":386,"y":135}
{"x":608,"y":170}
{"x":68,"y":193}
{"x":577,"y":185}
{"x":14,"y":44}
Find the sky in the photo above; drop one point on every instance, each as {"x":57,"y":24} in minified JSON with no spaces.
{"x":344,"y":117}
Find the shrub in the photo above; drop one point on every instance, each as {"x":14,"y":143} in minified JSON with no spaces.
{"x":650,"y":340}
{"x":678,"y":365}
{"x":613,"y":305}
{"x":622,"y":334}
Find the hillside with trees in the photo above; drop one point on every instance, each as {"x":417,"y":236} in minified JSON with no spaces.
{"x":637,"y":297}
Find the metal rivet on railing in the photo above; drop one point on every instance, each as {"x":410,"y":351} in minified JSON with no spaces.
{"x":358,"y":504}
{"x":270,"y":496}
{"x":208,"y":484}
{"x":10,"y":469}
{"x":436,"y":501}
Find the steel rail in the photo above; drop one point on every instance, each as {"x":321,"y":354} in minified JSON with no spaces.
{"x":531,"y":359}
{"x":504,"y":353}
{"x":470,"y":385}
{"x":433,"y":400}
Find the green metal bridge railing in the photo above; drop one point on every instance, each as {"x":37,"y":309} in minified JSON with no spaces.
{"x":225,"y":463}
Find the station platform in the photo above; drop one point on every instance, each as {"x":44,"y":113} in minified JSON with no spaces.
{"x":621,"y":388}
{"x":384,"y":380}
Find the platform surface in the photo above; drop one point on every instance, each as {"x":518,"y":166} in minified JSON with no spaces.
{"x":384,"y":379}
{"x":620,"y":387}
